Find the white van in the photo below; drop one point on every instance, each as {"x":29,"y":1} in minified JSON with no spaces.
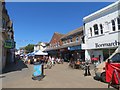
{"x":100,"y":69}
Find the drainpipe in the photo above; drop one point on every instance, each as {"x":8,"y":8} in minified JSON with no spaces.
{"x":109,"y":52}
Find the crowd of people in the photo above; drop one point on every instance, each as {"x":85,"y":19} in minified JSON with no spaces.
{"x":48,"y":61}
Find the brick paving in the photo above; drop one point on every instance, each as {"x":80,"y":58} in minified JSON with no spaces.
{"x":60,"y":76}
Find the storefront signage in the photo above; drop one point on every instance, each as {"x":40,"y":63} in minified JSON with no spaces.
{"x":9,"y":44}
{"x":111,"y":44}
{"x":74,"y":48}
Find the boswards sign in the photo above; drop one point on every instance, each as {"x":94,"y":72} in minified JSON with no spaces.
{"x":110,"y":44}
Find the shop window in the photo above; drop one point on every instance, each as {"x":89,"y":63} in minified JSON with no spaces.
{"x":77,"y":39}
{"x":113,"y":25}
{"x":101,"y":28}
{"x":118,"y":22}
{"x":96,"y":29}
{"x":90,"y":31}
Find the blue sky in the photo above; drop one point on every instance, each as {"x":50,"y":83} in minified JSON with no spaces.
{"x":37,"y":21}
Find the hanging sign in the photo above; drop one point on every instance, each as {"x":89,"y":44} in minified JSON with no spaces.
{"x":9,"y":44}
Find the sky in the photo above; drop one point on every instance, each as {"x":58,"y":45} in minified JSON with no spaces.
{"x":37,"y":21}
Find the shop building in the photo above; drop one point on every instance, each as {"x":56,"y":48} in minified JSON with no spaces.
{"x":53,"y":48}
{"x":102,"y":32}
{"x":7,"y":43}
{"x":67,"y":46}
{"x":71,"y":45}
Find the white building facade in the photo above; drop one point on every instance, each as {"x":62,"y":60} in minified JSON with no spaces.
{"x":102,"y":32}
{"x":41,"y":46}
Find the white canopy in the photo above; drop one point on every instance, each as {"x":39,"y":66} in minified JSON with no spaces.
{"x":40,"y":53}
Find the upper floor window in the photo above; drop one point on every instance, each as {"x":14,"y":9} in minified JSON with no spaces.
{"x":113,"y":25}
{"x":71,"y":40}
{"x":101,"y":28}
{"x":3,"y":23}
{"x":58,"y":44}
{"x":90,"y":31}
{"x":77,"y":39}
{"x":118,"y":22}
{"x":96,"y":29}
{"x":65,"y":42}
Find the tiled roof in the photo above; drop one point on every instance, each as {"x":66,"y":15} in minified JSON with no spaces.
{"x":80,"y":29}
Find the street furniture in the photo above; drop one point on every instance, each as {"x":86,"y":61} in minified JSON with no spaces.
{"x":38,"y":73}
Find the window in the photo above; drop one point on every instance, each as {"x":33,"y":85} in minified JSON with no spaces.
{"x":90,"y":31}
{"x":101,"y":28}
{"x":116,"y":58}
{"x":71,"y":40}
{"x":96,"y":29}
{"x":118,"y":22}
{"x":113,"y":25}
{"x":65,"y":42}
{"x":3,"y":23}
{"x":77,"y":39}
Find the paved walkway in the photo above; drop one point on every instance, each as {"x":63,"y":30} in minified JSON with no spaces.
{"x":60,"y":76}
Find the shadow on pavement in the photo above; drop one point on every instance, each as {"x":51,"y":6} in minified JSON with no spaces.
{"x":18,"y":66}
{"x":96,"y":78}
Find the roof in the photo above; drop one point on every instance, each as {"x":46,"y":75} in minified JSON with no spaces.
{"x":78,"y":30}
{"x":64,"y":46}
{"x":59,"y":35}
{"x":102,"y":10}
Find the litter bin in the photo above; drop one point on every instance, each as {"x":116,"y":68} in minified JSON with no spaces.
{"x":38,"y":73}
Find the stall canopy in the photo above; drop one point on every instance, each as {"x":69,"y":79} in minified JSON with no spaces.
{"x":40,"y":53}
{"x":31,"y":54}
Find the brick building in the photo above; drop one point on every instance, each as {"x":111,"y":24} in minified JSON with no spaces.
{"x":71,"y":47}
{"x":67,"y":46}
{"x":54,"y":45}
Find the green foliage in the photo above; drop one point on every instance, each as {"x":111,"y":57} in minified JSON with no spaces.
{"x":29,"y":48}
{"x":39,"y":43}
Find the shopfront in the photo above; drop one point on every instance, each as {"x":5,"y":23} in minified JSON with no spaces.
{"x":77,"y":53}
{"x":72,"y":52}
{"x":10,"y":46}
{"x":102,"y":33}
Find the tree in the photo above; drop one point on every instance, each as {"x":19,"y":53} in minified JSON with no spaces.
{"x":29,"y":48}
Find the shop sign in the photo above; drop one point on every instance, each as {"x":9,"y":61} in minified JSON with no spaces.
{"x":111,"y":44}
{"x":74,"y":48}
{"x":9,"y":44}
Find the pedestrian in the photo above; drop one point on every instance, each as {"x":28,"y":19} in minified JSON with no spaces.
{"x":52,"y":60}
{"x":87,"y":69}
{"x":35,"y":60}
{"x":99,"y":58}
{"x":26,"y":59}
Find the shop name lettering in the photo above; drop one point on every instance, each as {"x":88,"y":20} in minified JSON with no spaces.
{"x":116,"y":43}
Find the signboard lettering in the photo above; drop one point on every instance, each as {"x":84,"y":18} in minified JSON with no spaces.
{"x":111,"y":44}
